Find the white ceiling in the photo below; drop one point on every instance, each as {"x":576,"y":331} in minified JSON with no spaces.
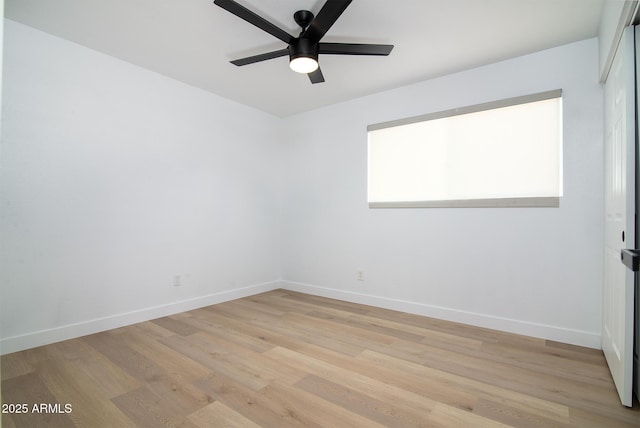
{"x":193,"y":41}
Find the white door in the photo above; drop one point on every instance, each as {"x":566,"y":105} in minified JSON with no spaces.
{"x":617,"y":312}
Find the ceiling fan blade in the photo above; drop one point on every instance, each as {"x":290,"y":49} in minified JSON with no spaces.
{"x":244,"y":13}
{"x":327,"y":16}
{"x":354,"y":49}
{"x":316,"y":76}
{"x":261,"y":57}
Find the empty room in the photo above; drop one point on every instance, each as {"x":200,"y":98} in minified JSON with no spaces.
{"x":319,"y":213}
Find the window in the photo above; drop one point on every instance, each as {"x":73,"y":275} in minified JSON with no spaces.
{"x":503,"y":153}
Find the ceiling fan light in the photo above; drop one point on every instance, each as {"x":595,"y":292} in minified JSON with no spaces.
{"x":303,"y":64}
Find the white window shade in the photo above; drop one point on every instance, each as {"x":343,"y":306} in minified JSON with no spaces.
{"x":505,"y":153}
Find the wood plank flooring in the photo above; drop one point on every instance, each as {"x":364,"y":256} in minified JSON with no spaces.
{"x":283,"y":359}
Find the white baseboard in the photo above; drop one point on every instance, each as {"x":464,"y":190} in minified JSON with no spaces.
{"x":70,"y":331}
{"x":542,"y":331}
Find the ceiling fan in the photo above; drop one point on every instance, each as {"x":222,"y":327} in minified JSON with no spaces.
{"x":303,"y":50}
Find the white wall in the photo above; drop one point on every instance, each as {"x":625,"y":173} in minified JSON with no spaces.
{"x":113,"y":180}
{"x":536,"y":271}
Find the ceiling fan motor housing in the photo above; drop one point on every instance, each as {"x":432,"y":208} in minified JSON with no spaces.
{"x":303,"y":47}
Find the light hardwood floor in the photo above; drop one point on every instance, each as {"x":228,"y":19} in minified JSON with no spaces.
{"x":289,"y":359}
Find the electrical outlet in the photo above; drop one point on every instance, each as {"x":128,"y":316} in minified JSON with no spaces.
{"x":360,"y":275}
{"x":176,"y":281}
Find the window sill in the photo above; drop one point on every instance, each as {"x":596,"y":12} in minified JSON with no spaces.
{"x":537,"y":202}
